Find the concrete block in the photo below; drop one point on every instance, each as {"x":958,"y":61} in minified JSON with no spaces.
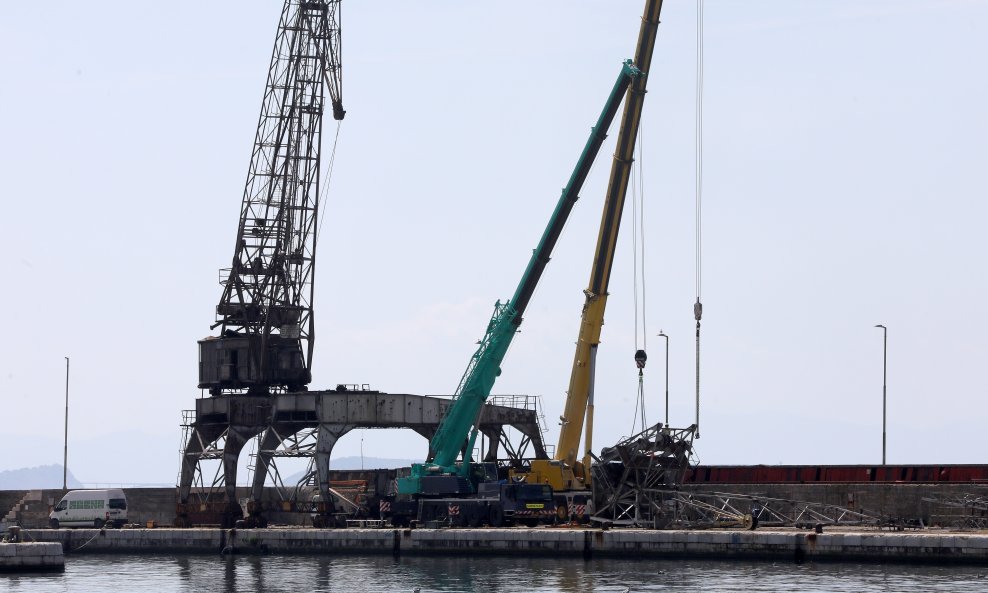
{"x":977,"y":542}
{"x":721,"y":538}
{"x":50,"y":549}
{"x":8,"y":550}
{"x":28,"y":550}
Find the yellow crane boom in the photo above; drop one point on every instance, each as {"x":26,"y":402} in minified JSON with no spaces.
{"x":566,"y":472}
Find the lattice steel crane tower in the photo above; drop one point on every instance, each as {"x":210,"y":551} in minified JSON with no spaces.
{"x":265,"y":317}
{"x":264,"y":343}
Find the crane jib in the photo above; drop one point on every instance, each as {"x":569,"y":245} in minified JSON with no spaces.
{"x":570,"y":194}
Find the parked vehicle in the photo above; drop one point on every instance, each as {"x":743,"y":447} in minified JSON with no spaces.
{"x":90,"y":508}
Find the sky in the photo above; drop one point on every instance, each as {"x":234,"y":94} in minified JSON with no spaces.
{"x":844,"y":151}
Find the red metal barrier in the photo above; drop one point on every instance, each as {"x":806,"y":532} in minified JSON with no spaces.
{"x":776,"y":474}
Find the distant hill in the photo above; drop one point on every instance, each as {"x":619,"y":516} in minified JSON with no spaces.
{"x":33,"y":478}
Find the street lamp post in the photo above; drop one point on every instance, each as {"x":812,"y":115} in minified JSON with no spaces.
{"x":65,"y":458}
{"x":663,"y":335}
{"x":885,"y":350}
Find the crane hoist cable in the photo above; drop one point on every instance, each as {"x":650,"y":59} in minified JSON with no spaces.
{"x":329,"y":178}
{"x":698,"y":306}
{"x":638,"y":241}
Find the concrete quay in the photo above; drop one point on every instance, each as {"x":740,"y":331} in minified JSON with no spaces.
{"x":778,"y":545}
{"x":31,"y":557}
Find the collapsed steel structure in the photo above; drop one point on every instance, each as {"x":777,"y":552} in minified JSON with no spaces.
{"x":639,"y":483}
{"x":966,"y":511}
{"x":630,"y":479}
{"x":697,"y":510}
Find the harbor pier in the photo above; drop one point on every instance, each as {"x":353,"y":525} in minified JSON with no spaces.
{"x":793,"y":545}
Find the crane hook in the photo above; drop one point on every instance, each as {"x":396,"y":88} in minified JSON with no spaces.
{"x":640,"y":358}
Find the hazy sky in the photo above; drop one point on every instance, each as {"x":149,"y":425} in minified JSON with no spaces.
{"x":844,"y":186}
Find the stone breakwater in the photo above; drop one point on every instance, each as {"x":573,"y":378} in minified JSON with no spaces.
{"x":787,"y":545}
{"x":23,"y":557}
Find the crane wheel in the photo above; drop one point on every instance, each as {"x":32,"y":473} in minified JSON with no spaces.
{"x":496,"y":516}
{"x":562,"y":513}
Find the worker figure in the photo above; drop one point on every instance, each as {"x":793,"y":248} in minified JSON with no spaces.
{"x":756,"y":509}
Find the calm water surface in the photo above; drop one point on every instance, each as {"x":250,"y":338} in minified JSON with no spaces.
{"x":295,"y":574}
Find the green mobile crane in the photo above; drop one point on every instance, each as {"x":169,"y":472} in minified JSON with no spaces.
{"x":442,"y":475}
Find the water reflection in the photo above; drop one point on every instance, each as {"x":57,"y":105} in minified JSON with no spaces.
{"x":481,"y":574}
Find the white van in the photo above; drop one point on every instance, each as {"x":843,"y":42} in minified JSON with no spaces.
{"x":90,"y":508}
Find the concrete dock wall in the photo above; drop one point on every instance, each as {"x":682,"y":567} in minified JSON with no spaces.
{"x":780,"y":545}
{"x":22,"y":557}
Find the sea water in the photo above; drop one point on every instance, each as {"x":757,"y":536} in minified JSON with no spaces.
{"x":105,"y":573}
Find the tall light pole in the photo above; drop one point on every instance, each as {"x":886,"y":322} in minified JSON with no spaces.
{"x":663,"y":335}
{"x":65,"y":458}
{"x":885,"y":351}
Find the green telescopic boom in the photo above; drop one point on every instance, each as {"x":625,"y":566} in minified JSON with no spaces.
{"x":458,"y":429}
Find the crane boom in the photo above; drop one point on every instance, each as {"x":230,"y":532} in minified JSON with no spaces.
{"x":458,"y":428}
{"x":564,"y":473}
{"x":592,"y":319}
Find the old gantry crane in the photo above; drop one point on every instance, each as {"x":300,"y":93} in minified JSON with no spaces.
{"x":257,"y":365}
{"x":264,"y":341}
